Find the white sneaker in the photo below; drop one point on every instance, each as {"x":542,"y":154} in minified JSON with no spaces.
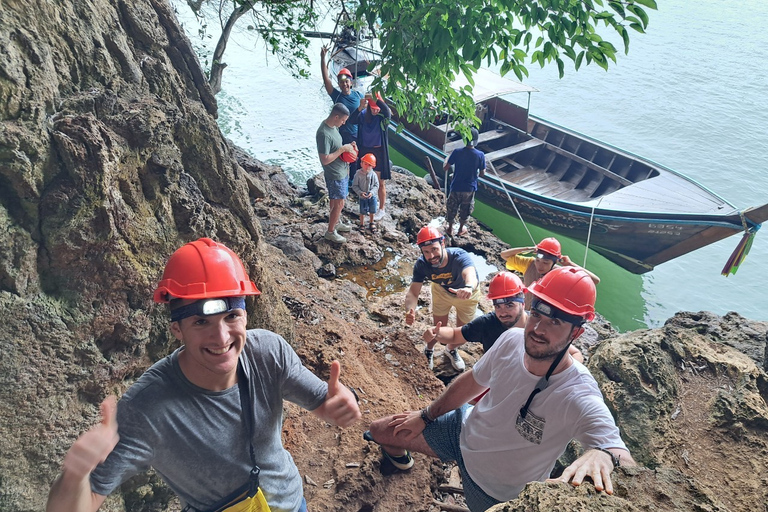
{"x":333,"y":236}
{"x":343,"y":228}
{"x":379,"y":214}
{"x":456,"y":361}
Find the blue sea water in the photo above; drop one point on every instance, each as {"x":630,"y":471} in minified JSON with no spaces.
{"x":690,"y":95}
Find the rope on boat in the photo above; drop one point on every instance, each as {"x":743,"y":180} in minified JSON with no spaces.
{"x":493,"y":168}
{"x":589,"y":232}
{"x":742,"y":248}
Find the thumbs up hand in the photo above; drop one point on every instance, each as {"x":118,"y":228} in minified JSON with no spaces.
{"x":93,"y":447}
{"x":340,"y":406}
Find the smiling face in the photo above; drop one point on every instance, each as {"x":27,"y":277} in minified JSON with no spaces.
{"x":345,"y":84}
{"x":509,"y":314}
{"x":433,"y":253}
{"x":546,"y":337}
{"x":212,"y":345}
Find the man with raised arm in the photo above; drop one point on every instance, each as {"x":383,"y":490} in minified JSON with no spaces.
{"x":208,"y":417}
{"x":539,"y":400}
{"x":547,"y":255}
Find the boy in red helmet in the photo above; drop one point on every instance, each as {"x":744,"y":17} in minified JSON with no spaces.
{"x":366,"y":186}
{"x":208,"y":417}
{"x":547,"y":255}
{"x":539,"y":399}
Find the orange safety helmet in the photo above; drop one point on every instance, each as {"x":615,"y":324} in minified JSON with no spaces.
{"x":428,"y":235}
{"x":369,"y":159}
{"x":349,"y":157}
{"x":569,"y":289}
{"x":203,"y":269}
{"x":550,"y":246}
{"x":345,"y":71}
{"x":505,"y":284}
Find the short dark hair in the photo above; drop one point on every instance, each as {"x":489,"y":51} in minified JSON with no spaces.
{"x":339,"y":109}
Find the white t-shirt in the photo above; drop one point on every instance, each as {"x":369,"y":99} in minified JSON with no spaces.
{"x":501,"y":460}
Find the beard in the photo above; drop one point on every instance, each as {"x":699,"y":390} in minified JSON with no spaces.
{"x":542,"y":349}
{"x":510,"y":322}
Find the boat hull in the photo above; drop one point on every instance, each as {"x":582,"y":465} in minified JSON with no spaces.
{"x":634,"y":240}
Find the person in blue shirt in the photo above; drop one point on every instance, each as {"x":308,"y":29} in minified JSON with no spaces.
{"x":373,"y":120}
{"x":348,"y":97}
{"x":469,"y":164}
{"x":454,"y":284}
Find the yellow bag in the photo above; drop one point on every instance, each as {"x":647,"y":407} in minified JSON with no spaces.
{"x":256,"y":503}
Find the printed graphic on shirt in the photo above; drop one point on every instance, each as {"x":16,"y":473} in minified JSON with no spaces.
{"x":531,"y":427}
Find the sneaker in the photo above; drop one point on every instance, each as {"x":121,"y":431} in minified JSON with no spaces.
{"x":379,"y":214}
{"x":430,"y":357}
{"x":403,"y":462}
{"x":456,"y":361}
{"x":333,"y":236}
{"x":343,"y":228}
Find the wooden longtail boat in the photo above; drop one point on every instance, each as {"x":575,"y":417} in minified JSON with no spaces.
{"x":631,"y":210}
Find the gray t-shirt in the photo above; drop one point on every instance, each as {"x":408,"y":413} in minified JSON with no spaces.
{"x":328,"y":140}
{"x":196,"y":439}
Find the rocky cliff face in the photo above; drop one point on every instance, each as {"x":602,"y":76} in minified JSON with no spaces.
{"x":110,"y":158}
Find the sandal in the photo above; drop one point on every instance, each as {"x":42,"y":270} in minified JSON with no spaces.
{"x":372,"y":228}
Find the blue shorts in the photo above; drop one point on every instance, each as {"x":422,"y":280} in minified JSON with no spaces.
{"x":369,"y":205}
{"x":338,"y":189}
{"x":444,"y":437}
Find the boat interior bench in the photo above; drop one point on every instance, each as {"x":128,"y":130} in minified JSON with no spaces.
{"x":512,"y":150}
{"x":484,"y":137}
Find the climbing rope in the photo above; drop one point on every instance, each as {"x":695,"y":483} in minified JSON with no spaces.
{"x":509,"y":196}
{"x":589,"y":232}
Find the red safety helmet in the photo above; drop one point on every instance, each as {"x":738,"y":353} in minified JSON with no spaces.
{"x":345,"y":71}
{"x":569,"y":289}
{"x":349,"y":157}
{"x":204,"y":269}
{"x":369,"y":159}
{"x":550,"y":246}
{"x":375,"y":108}
{"x":428,"y":235}
{"x":505,"y":284}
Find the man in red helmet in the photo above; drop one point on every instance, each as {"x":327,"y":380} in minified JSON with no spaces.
{"x":534,"y":385}
{"x":547,"y":255}
{"x":454,"y":284}
{"x":507,"y":293}
{"x":345,"y":95}
{"x":208,"y":417}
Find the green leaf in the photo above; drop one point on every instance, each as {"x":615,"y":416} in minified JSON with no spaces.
{"x":648,"y":3}
{"x":560,"y":67}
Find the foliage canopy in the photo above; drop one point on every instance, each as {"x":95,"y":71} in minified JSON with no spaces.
{"x":425,"y":43}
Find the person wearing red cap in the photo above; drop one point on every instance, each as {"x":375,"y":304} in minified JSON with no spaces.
{"x":506,"y":291}
{"x":547,"y":255}
{"x":372,"y":137}
{"x":208,"y":417}
{"x":345,"y":95}
{"x":454,"y":284}
{"x":539,"y":399}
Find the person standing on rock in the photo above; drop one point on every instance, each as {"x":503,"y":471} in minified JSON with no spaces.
{"x":539,"y":399}
{"x":454,"y":284}
{"x":469,"y":164}
{"x":548,"y":255}
{"x":373,"y":138}
{"x":208,"y":418}
{"x":345,"y":95}
{"x":331,"y":151}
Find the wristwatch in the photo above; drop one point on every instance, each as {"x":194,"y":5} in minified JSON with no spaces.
{"x":614,"y":458}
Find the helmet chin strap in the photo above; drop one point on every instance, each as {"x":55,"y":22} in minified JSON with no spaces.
{"x":544,"y":381}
